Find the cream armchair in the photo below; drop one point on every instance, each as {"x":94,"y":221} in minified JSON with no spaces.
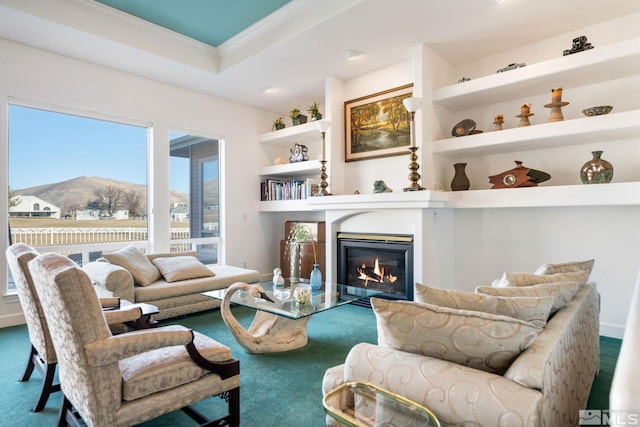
{"x":126,"y":379}
{"x":42,"y":355}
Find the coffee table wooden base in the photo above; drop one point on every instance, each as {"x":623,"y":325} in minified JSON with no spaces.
{"x":268,"y":333}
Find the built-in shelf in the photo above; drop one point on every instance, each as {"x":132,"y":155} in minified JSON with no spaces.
{"x":292,"y":170}
{"x":585,"y":130}
{"x":612,"y":194}
{"x":301,"y":134}
{"x":284,"y":206}
{"x":597,"y":65}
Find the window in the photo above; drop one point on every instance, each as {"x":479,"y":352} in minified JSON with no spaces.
{"x":75,"y":181}
{"x":195,"y":174}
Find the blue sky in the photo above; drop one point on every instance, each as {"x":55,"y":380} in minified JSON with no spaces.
{"x":46,"y":147}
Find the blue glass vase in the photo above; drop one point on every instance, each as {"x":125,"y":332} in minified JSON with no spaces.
{"x":316,"y":277}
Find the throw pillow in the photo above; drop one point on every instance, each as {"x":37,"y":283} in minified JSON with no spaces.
{"x":144,"y":273}
{"x":480,"y":340}
{"x":528,"y":279}
{"x":561,"y":292}
{"x":176,"y":268}
{"x":566,"y":267}
{"x":530,"y":309}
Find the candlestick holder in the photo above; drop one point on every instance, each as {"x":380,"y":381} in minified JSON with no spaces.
{"x":323,"y":179}
{"x":414,"y":176}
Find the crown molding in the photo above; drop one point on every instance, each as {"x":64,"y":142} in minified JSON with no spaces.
{"x":118,"y":27}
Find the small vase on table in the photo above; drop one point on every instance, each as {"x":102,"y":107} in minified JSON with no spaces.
{"x":316,"y":277}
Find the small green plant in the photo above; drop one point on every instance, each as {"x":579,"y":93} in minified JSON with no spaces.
{"x":294,"y":113}
{"x":278,"y":124}
{"x":313,"y":109}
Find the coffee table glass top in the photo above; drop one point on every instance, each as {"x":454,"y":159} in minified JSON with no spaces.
{"x":285,"y":304}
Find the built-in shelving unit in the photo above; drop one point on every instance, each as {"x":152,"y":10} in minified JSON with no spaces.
{"x":599,"y":65}
{"x":306,"y":134}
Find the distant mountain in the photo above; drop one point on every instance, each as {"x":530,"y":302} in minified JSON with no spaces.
{"x":79,"y":191}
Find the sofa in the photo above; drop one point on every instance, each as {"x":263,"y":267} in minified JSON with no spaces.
{"x":173,"y":282}
{"x":624,"y":396}
{"x":544,"y":380}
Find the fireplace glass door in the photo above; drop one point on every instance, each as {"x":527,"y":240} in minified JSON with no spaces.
{"x":377,"y":261}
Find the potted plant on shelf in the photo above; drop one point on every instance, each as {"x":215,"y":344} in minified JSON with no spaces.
{"x":278,"y":124}
{"x":299,"y":234}
{"x":314,"y":111}
{"x":296,"y":117}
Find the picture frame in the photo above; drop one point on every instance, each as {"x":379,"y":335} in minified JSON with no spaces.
{"x":377,"y":125}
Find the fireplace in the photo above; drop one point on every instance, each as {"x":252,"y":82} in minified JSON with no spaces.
{"x":382,"y":262}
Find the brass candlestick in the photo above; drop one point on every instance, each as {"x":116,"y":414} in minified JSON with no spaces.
{"x":414,"y":176}
{"x":323,"y":179}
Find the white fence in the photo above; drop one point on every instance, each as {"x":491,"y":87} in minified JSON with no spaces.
{"x":55,"y":236}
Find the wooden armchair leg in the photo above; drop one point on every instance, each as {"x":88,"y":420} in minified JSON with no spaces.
{"x":48,"y":387}
{"x":30,"y":365}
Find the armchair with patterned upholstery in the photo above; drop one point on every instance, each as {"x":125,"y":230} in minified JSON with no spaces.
{"x":126,"y":379}
{"x":42,"y":355}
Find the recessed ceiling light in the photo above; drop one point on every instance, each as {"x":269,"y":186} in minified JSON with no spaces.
{"x":350,"y":54}
{"x":268,"y":89}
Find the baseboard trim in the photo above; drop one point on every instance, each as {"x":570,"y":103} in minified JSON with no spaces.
{"x":12,"y":320}
{"x":611,"y":330}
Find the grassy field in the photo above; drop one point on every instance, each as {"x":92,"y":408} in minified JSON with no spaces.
{"x":70,"y":223}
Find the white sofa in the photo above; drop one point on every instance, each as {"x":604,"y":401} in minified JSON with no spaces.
{"x":546,"y":385}
{"x":172,"y":298}
{"x":624,"y":396}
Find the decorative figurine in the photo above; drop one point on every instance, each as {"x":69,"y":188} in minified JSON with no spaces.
{"x":579,"y":44}
{"x":520,"y":176}
{"x":525,"y":112}
{"x":498,"y":120}
{"x":298,"y":153}
{"x":381,"y":187}
{"x":556,"y":105}
{"x":278,"y":280}
{"x":511,"y":67}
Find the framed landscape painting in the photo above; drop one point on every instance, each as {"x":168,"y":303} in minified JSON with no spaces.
{"x":377,"y":125}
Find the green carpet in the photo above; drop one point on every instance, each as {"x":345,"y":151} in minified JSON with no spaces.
{"x":282,"y":389}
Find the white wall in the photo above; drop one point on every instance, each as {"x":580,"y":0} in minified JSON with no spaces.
{"x":46,"y":80}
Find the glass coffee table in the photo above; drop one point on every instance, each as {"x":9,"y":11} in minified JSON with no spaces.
{"x":282,"y":312}
{"x":360,"y":404}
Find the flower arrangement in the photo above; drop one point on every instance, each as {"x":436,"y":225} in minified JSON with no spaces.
{"x":314,"y":111}
{"x":278,"y":124}
{"x":299,"y":234}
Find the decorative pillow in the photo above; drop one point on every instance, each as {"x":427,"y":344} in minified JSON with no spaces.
{"x":480,"y":340}
{"x":530,"y":309}
{"x":566,"y":267}
{"x":176,"y":268}
{"x":528,"y":279}
{"x":144,"y":273}
{"x":561,"y":292}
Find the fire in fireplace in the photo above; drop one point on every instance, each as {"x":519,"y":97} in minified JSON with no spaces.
{"x":382,"y":262}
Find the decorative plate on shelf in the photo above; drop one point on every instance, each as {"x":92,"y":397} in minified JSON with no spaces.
{"x":463,"y":128}
{"x":597,"y":111}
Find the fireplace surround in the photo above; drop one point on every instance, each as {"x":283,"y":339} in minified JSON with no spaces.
{"x":382,"y":262}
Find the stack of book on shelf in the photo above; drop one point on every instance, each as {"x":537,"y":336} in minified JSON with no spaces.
{"x":296,"y":189}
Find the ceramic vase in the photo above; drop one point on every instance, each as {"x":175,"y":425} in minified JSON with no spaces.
{"x":294,"y":263}
{"x":596,"y":170}
{"x":460,"y":180}
{"x":316,"y":277}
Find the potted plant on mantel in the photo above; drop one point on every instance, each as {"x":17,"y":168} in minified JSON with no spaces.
{"x":278,"y":124}
{"x":314,"y":111}
{"x":296,"y":117}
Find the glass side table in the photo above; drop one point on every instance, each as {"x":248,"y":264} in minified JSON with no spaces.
{"x":360,"y":404}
